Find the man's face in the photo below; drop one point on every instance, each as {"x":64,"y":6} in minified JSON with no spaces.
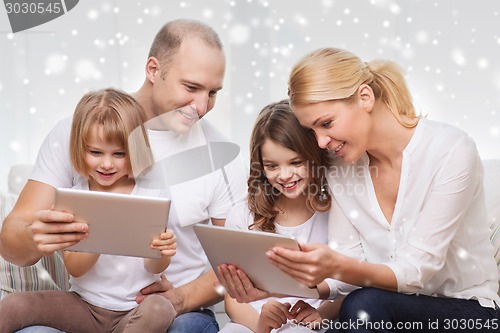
{"x":189,"y":85}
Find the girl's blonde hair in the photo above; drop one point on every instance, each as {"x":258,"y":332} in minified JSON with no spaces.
{"x":276,"y":122}
{"x":335,"y":74}
{"x":118,"y":114}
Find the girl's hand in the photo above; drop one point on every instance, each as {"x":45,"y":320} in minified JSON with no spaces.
{"x":305,"y":313}
{"x":273,"y":315}
{"x":238,"y":285}
{"x":166,"y":243}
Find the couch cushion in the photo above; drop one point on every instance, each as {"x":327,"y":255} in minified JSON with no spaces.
{"x":47,"y":274}
{"x":18,"y":176}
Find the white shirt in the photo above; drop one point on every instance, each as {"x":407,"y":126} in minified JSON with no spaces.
{"x":314,"y":230}
{"x":114,"y":281}
{"x":438,"y":240}
{"x":193,"y":201}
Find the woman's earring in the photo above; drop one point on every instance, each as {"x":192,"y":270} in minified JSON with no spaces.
{"x":322,"y":194}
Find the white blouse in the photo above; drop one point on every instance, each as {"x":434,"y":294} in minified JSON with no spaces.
{"x":438,"y":240}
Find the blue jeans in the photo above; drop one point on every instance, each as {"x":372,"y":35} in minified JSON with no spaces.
{"x":377,"y":310}
{"x":39,"y":329}
{"x":202,"y":321}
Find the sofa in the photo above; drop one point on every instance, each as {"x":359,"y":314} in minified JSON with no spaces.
{"x":49,"y":272}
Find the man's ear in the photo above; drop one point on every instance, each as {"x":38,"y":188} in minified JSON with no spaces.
{"x":152,"y":69}
{"x":366,"y":97}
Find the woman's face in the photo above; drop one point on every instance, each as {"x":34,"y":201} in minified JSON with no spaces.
{"x":339,"y":126}
{"x":285,"y":169}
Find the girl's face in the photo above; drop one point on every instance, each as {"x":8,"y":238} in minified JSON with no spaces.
{"x":339,"y":126}
{"x":106,"y":162}
{"x":285,"y":169}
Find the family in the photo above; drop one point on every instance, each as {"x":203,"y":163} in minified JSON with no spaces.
{"x":410,"y":247}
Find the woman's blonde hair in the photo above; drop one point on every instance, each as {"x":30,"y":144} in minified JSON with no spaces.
{"x":335,"y":74}
{"x":277,"y":123}
{"x":118,"y":114}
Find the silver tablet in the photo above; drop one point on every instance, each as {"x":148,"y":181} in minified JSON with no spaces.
{"x":119,"y":224}
{"x":246,"y":250}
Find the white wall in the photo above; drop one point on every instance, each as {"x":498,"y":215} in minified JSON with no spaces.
{"x":450,"y":50}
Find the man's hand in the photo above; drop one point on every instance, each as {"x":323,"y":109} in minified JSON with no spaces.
{"x":167,"y":290}
{"x":54,"y":230}
{"x":33,"y":230}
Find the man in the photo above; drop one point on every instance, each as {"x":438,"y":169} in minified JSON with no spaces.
{"x":184,"y":72}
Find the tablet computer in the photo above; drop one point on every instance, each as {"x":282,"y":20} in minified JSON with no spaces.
{"x":246,"y":250}
{"x":119,"y":224}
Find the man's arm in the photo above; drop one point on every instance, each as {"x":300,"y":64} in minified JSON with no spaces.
{"x":32,"y":230}
{"x":200,"y":293}
{"x":197,"y":294}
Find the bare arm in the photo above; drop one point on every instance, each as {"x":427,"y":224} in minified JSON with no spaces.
{"x":32,"y":230}
{"x":192,"y":296}
{"x":241,"y":313}
{"x":157,"y":266}
{"x":79,"y":263}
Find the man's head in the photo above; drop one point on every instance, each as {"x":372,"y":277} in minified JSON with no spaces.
{"x":168,"y":40}
{"x":185,"y":68}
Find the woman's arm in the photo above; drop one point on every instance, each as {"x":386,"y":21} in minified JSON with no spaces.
{"x":79,"y":263}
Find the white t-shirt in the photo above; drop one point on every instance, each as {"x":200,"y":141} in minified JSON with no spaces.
{"x":438,"y":240}
{"x":314,"y":230}
{"x":212,"y":195}
{"x":114,"y":281}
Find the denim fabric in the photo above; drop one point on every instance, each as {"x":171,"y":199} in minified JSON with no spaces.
{"x":377,"y":310}
{"x":202,"y":321}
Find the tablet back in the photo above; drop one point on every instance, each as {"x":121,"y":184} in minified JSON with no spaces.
{"x":119,"y":224}
{"x":246,"y":250}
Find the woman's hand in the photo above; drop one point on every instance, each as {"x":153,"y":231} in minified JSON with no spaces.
{"x":310,"y":266}
{"x":238,"y":285}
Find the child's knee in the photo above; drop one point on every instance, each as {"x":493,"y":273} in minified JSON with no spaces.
{"x":15,"y":303}
{"x":158,"y":309}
